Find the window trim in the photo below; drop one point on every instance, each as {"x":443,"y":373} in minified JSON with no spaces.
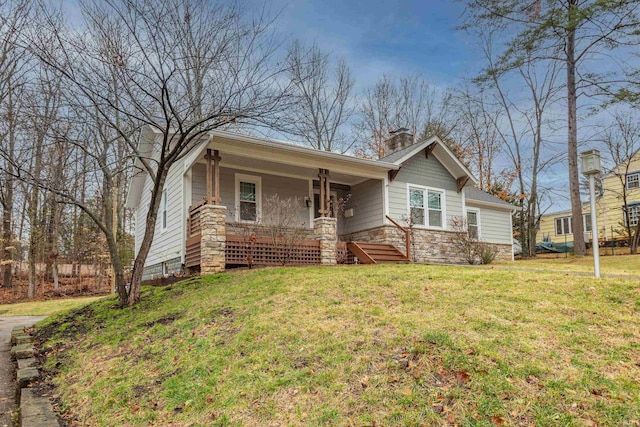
{"x":584,"y":224}
{"x":165,"y":268}
{"x":477,"y":212}
{"x":637,"y":180}
{"x":443,"y":205}
{"x":627,"y":209}
{"x":164,"y":211}
{"x":254,"y":179}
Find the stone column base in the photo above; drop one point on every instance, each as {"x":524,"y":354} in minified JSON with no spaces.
{"x":326,"y":230}
{"x":213,"y":239}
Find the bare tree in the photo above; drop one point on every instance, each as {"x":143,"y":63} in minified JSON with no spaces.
{"x":480,"y":142}
{"x":323,"y":98}
{"x":282,"y":224}
{"x":14,"y":16}
{"x":622,"y":147}
{"x":182,"y":67}
{"x":521,"y":124}
{"x":392,"y":103}
{"x":570,"y":33}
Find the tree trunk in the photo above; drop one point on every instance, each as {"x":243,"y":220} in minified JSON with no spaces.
{"x":34,"y":228}
{"x":7,"y":200}
{"x":579,"y":247}
{"x":138,"y":264}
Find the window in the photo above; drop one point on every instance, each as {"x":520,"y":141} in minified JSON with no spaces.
{"x":473,"y":224}
{"x":248,"y":190}
{"x":634,"y":215}
{"x":163,"y":208}
{"x":633,"y":180}
{"x":430,"y":213}
{"x":165,"y":269}
{"x":416,"y":206}
{"x":564,"y":225}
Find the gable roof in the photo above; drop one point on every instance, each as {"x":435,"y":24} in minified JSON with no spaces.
{"x":441,"y":151}
{"x":480,"y":197}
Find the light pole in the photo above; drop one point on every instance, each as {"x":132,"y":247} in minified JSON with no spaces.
{"x":590,"y":162}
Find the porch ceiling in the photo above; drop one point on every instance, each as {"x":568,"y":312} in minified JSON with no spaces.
{"x":275,"y":168}
{"x":279,"y":158}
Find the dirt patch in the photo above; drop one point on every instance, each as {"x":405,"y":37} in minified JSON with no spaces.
{"x":165,"y":320}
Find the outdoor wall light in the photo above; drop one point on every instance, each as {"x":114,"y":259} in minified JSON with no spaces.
{"x":307,"y":201}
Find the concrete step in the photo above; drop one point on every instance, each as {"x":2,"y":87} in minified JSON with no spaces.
{"x":36,"y":411}
{"x":22,"y":339}
{"x":26,"y":363}
{"x":25,"y":375}
{"x":22,"y":351}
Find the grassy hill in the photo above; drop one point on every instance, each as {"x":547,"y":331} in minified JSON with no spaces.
{"x":363,"y":346}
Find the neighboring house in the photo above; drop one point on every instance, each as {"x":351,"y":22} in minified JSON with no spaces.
{"x":424,"y":181}
{"x":558,"y":227}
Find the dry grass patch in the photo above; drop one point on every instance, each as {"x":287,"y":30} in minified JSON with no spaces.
{"x":376,"y":345}
{"x":44,"y":308}
{"x":619,"y":264}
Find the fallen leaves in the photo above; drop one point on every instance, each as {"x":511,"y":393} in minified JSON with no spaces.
{"x":462,"y":377}
{"x":498,"y":420}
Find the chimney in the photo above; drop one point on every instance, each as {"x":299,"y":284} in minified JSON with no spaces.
{"x":398,"y":139}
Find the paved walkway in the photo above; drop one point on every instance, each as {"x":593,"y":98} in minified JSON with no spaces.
{"x":7,"y":390}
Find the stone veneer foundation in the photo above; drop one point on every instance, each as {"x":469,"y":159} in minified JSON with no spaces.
{"x":325,"y":230}
{"x":426,"y":245}
{"x":214,"y":239}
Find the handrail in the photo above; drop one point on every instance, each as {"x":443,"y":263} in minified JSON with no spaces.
{"x":407,"y":236}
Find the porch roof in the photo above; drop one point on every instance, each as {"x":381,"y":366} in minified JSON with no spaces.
{"x":256,"y":153}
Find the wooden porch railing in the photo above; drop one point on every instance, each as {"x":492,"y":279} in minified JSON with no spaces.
{"x":241,"y":250}
{"x":194,"y":236}
{"x":407,"y":236}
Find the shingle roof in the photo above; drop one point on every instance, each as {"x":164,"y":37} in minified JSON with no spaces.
{"x":482,"y":196}
{"x":397,"y":155}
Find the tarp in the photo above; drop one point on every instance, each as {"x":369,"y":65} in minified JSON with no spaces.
{"x":554,"y":247}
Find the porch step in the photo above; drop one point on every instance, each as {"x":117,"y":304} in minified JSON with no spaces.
{"x":374,"y":253}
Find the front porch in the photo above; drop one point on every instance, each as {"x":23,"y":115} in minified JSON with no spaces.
{"x":252,"y":209}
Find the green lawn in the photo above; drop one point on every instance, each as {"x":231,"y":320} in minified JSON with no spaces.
{"x":370,"y":345}
{"x":621,"y":264}
{"x":44,"y":308}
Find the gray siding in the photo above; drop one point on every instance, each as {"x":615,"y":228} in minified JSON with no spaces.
{"x":368,"y":207}
{"x":271,"y":184}
{"x":167,"y":244}
{"x":494,"y":224}
{"x":427,"y":172}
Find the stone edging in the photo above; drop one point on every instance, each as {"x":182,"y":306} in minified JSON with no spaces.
{"x":35,"y":411}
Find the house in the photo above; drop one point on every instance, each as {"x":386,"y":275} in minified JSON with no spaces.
{"x":221,"y":187}
{"x":558,"y":228}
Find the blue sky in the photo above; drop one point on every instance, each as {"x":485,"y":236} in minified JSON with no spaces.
{"x":376,"y":37}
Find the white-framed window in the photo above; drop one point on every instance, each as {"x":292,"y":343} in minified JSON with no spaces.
{"x":426,"y":206}
{"x":564,"y":225}
{"x":165,"y":269}
{"x":634,"y":215}
{"x":163,"y":210}
{"x":633,"y":180}
{"x":248,"y":197}
{"x":473,"y":224}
